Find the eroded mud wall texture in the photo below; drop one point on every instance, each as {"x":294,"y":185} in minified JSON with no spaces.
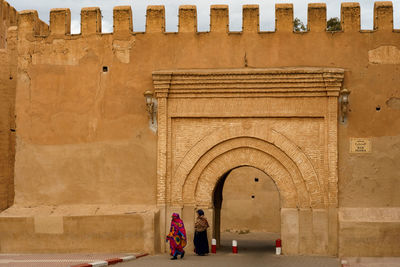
{"x":8,"y":59}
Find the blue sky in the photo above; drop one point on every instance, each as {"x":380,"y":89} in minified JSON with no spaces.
{"x":267,"y":13}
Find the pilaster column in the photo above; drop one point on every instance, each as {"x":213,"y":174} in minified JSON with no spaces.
{"x":161,"y":93}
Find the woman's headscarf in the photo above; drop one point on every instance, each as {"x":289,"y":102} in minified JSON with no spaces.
{"x":201,"y":223}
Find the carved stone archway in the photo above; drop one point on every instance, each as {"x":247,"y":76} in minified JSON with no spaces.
{"x":281,"y":121}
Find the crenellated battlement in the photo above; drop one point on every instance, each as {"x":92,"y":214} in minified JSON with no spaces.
{"x":219,"y":18}
{"x":187,"y":19}
{"x":155,"y":19}
{"x":60,"y":19}
{"x":284,"y":18}
{"x":316,"y":17}
{"x":350,"y":17}
{"x":8,"y":13}
{"x":29,"y":22}
{"x":123,"y":19}
{"x":90,"y":20}
{"x":383,"y":16}
{"x":8,"y":17}
{"x":251,"y":18}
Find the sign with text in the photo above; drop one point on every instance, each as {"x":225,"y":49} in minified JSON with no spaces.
{"x":360,"y":145}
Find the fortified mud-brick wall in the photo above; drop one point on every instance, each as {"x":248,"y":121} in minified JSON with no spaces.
{"x":84,"y":136}
{"x":8,"y":17}
{"x":8,"y":59}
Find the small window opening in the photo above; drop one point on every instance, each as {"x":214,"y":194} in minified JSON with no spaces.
{"x":378,"y":108}
{"x":256,"y":179}
{"x":105,"y":69}
{"x":253,"y":196}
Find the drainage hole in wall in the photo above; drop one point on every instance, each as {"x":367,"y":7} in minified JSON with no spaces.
{"x":378,"y":108}
{"x":256,"y":180}
{"x":253,"y":196}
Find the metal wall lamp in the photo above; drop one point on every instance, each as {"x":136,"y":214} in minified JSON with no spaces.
{"x":150,"y":104}
{"x":344,"y":103}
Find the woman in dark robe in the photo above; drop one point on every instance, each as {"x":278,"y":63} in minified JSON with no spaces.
{"x":176,"y":237}
{"x":200,"y":234}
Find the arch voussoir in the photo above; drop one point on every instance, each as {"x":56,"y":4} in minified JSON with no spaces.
{"x":302,"y":174}
{"x":246,"y":142}
{"x":244,"y":156}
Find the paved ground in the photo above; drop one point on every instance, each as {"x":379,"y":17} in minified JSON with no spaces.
{"x":254,"y":251}
{"x":371,"y":262}
{"x":51,"y":260}
{"x":230,"y":260}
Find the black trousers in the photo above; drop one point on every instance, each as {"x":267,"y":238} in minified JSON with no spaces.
{"x":201,"y":243}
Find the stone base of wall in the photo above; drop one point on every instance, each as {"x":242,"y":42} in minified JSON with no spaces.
{"x":309,"y":231}
{"x":369,"y":232}
{"x":303,"y":231}
{"x":129,"y":231}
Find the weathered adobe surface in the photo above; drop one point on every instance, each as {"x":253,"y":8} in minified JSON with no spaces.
{"x":75,"y":105}
{"x":8,"y":59}
{"x":83,"y":134}
{"x":8,"y":17}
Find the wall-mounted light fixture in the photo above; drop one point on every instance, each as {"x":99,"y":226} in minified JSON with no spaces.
{"x":344,"y":102}
{"x":149,"y":104}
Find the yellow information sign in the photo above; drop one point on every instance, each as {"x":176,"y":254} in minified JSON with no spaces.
{"x":360,"y":145}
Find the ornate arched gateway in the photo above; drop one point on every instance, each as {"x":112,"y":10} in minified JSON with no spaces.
{"x":281,"y":121}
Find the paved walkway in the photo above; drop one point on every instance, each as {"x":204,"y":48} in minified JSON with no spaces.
{"x":254,"y":250}
{"x":371,"y":262}
{"x":50,"y":260}
{"x":230,"y":260}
